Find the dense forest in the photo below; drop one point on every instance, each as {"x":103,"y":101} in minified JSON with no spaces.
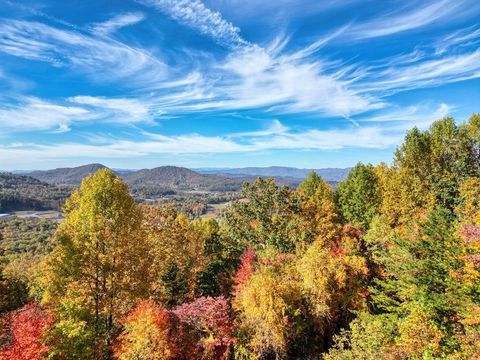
{"x":20,"y":192}
{"x":386,"y":266}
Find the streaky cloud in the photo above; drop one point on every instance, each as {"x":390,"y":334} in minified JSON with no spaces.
{"x":406,"y":19}
{"x":117,"y":22}
{"x":194,"y":14}
{"x":101,"y":58}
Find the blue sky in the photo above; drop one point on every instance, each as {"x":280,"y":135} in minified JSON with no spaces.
{"x":229,"y":83}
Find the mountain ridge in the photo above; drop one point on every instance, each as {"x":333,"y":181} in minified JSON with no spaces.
{"x":181,"y":178}
{"x":329,"y":174}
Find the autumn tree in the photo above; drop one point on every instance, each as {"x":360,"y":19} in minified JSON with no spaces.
{"x":211,"y":324}
{"x":99,"y":268}
{"x":331,"y":274}
{"x":147,"y":334}
{"x":245,"y":271}
{"x":420,"y":289}
{"x":397,"y":204}
{"x":317,"y":214}
{"x":271,"y":309}
{"x":468,"y":208}
{"x":188,"y":259}
{"x":26,"y":330}
{"x":13,"y":293}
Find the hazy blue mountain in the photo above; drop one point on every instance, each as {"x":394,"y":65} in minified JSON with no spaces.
{"x":180,"y":178}
{"x":329,"y":174}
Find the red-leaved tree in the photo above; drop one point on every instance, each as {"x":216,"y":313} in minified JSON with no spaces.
{"x":245,"y":271}
{"x":26,"y":329}
{"x":210,"y":320}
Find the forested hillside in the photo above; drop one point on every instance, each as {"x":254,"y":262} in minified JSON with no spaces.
{"x":386,"y":266}
{"x":163,"y":179}
{"x":20,"y":192}
{"x":70,"y":176}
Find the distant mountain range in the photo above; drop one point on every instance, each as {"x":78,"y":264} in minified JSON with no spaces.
{"x":47,"y":189}
{"x":163,"y":178}
{"x":179,"y":178}
{"x":328,"y":174}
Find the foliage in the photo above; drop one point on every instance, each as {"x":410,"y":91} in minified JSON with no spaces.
{"x":271,"y":308}
{"x":26,"y":329}
{"x":22,"y":244}
{"x":186,"y":255}
{"x":263,"y":219}
{"x":357,"y":195}
{"x":146,"y":334}
{"x":20,"y":236}
{"x":331,"y":279}
{"x":13,"y":293}
{"x":245,"y":271}
{"x":100,"y":264}
{"x":211,"y":322}
{"x":318,"y":214}
{"x":20,"y":192}
{"x":368,"y":338}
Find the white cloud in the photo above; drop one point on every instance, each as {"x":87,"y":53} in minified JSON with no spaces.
{"x":194,"y":14}
{"x":460,"y":38}
{"x":276,"y":137}
{"x":100,"y":57}
{"x":252,"y":77}
{"x":401,"y":119}
{"x":35,"y":114}
{"x":30,"y":113}
{"x":117,"y":22}
{"x":116,"y":109}
{"x":404,"y":19}
{"x":275,"y":128}
{"x":428,"y":73}
{"x":411,"y":114}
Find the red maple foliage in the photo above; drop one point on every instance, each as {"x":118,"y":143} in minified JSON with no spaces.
{"x":245,"y":271}
{"x":210,"y":320}
{"x":25,"y":329}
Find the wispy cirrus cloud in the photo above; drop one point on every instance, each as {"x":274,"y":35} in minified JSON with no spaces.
{"x":117,"y":22}
{"x":400,"y":119}
{"x":275,"y":128}
{"x":31,"y":113}
{"x":117,"y":109}
{"x":35,"y":114}
{"x":461,"y":38}
{"x":194,"y":14}
{"x":155,"y":144}
{"x":254,"y":76}
{"x":100,"y":58}
{"x":429,"y":72}
{"x":406,"y":18}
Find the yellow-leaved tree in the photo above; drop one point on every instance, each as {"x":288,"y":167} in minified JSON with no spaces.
{"x":99,"y":267}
